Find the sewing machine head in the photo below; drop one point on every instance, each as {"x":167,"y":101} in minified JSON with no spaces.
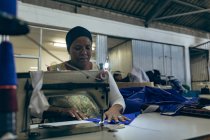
{"x":57,"y":84}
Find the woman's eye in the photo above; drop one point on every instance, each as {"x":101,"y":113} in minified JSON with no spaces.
{"x":78,"y":48}
{"x":88,"y":48}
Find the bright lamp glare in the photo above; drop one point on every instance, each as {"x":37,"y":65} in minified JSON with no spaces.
{"x":58,"y":44}
{"x":106,"y":65}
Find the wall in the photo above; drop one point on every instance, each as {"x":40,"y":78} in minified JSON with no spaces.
{"x":120,"y":58}
{"x":57,"y":18}
{"x":167,"y":59}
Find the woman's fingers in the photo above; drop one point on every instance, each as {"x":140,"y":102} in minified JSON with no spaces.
{"x":77,"y":114}
{"x":116,"y":118}
{"x":123,"y":118}
{"x":109,"y":117}
{"x":80,"y":116}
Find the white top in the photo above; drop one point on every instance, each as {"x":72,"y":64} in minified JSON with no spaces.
{"x":115,"y":97}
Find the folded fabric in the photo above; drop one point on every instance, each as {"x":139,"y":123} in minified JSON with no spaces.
{"x":131,"y":116}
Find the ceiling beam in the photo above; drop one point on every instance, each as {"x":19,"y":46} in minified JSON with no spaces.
{"x":205,"y":43}
{"x":188,"y":4}
{"x":157,"y":10}
{"x":183,"y":14}
{"x":195,"y":7}
{"x":80,"y":3}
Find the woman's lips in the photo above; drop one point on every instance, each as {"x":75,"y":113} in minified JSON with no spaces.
{"x":83,"y":59}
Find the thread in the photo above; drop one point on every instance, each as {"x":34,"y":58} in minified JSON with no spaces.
{"x":8,"y":100}
{"x":7,"y":70}
{"x":9,"y":7}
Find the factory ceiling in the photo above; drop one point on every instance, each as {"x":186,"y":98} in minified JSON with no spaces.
{"x":193,"y":15}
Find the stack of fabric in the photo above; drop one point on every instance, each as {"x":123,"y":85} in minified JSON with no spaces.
{"x":168,"y":101}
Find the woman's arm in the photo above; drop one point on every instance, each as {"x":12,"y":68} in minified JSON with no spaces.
{"x":117,"y":102}
{"x":115,"y":96}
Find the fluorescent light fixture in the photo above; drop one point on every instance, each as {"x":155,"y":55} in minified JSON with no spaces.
{"x":59,"y":44}
{"x":33,"y":69}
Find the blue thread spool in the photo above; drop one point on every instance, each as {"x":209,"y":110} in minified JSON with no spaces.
{"x":9,"y":7}
{"x":7,"y":63}
{"x":10,"y":24}
{"x":8,"y":101}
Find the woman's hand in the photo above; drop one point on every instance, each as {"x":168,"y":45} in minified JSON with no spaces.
{"x":64,"y":112}
{"x":114,"y":113}
{"x":73,"y":112}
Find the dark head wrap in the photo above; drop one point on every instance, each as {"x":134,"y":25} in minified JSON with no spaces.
{"x":76,"y":32}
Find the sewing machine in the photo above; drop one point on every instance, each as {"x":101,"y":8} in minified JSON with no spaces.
{"x":60,"y":84}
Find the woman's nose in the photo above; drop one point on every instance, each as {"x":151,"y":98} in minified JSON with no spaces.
{"x":84,"y":51}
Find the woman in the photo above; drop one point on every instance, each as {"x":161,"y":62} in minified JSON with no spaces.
{"x":79,"y":46}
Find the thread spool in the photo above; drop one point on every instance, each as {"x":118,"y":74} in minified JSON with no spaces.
{"x":10,"y":24}
{"x":9,"y":7}
{"x":8,"y":100}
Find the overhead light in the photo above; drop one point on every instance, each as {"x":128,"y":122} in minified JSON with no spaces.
{"x":59,"y":44}
{"x":106,"y":66}
{"x":33,"y":69}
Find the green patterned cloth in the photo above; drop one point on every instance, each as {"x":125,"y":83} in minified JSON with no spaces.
{"x":82,"y":102}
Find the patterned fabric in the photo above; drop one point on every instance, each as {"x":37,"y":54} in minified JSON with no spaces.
{"x":62,"y":66}
{"x":81,"y":102}
{"x":57,"y":67}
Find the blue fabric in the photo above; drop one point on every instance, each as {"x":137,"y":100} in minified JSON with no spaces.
{"x":168,"y":100}
{"x":131,"y":116}
{"x":7,"y":64}
{"x":9,"y":6}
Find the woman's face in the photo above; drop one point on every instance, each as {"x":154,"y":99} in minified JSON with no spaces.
{"x":80,"y":52}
